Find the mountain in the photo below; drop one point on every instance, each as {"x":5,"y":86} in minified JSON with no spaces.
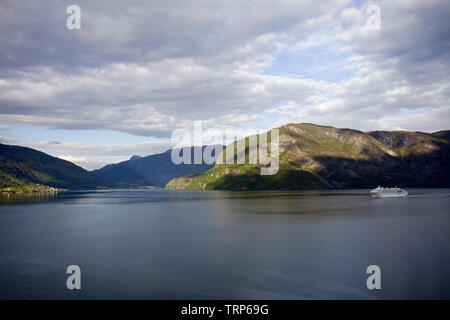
{"x":29,"y":169}
{"x":153,"y":170}
{"x":320,"y":157}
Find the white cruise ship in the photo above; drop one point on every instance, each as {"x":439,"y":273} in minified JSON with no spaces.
{"x":381,"y":192}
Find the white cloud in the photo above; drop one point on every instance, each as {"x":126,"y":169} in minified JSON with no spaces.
{"x":148,"y":68}
{"x":145,"y":99}
{"x":401,"y":67}
{"x":94,"y":156}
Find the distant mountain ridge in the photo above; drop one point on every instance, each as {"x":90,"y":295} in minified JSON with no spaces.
{"x":153,"y":170}
{"x":319,"y":157}
{"x":311,"y":157}
{"x":23,"y":167}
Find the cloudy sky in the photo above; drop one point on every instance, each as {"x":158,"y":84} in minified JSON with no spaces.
{"x":137,"y":70}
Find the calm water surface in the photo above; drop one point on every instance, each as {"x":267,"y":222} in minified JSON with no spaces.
{"x":169,"y":244}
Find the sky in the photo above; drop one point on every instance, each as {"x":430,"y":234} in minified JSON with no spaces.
{"x":138,"y":70}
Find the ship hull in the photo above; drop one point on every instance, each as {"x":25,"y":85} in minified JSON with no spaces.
{"x":389,"y":194}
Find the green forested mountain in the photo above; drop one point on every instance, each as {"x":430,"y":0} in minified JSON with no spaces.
{"x":314,"y":157}
{"x":22,"y":167}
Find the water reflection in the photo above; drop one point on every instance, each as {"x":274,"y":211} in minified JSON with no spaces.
{"x":27,"y":198}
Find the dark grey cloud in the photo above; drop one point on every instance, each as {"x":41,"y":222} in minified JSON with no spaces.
{"x":148,"y":67}
{"x":414,"y":38}
{"x":35,"y":33}
{"x":402,"y":78}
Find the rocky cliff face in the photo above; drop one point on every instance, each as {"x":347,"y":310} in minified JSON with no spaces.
{"x":313,"y":157}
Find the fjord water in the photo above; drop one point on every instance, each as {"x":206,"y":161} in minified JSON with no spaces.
{"x":178,"y":244}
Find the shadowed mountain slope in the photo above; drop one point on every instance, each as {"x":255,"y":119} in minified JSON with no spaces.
{"x":153,"y":170}
{"x":25,"y":167}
